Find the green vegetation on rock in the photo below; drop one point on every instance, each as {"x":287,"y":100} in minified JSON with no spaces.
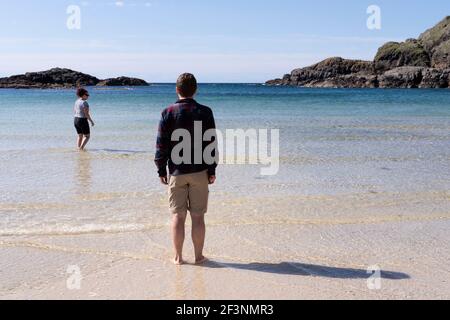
{"x":394,"y":54}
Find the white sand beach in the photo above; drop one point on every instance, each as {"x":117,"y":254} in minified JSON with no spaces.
{"x":320,"y":247}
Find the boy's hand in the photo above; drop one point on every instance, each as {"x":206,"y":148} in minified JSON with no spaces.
{"x":164,"y":180}
{"x":212,"y":179}
{"x":92,"y":123}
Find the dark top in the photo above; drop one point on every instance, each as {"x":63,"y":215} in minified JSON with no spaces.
{"x":183,"y":115}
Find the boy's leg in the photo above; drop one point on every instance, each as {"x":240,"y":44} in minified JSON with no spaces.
{"x":198,"y":236}
{"x":178,"y":200}
{"x":178,"y":232}
{"x":198,"y":206}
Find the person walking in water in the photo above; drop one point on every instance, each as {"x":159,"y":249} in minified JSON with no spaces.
{"x":82,"y":118}
{"x":189,"y":179}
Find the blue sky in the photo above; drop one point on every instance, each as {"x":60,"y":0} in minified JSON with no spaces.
{"x":219,"y":40}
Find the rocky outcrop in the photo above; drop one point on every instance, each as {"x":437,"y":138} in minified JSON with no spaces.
{"x":332,"y":72}
{"x":415,"y":63}
{"x":122,"y":81}
{"x":414,"y":77}
{"x":63,"y":78}
{"x":331,"y":68}
{"x":393,"y":55}
{"x":435,"y":78}
{"x":401,"y":77}
{"x":437,"y":43}
{"x":53,"y":78}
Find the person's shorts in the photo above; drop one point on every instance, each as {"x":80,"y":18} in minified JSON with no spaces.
{"x":189,"y":192}
{"x":82,"y":126}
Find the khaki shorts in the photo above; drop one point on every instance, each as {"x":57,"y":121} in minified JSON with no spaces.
{"x":189,"y":192}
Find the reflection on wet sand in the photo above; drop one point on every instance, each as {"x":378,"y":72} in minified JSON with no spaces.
{"x":189,"y":285}
{"x":179,"y":285}
{"x":199,"y":284}
{"x":83,"y":173}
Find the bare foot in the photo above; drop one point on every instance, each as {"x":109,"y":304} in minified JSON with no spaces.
{"x":201,"y":260}
{"x":178,"y":262}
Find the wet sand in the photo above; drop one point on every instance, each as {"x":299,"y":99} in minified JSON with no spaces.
{"x":320,"y":248}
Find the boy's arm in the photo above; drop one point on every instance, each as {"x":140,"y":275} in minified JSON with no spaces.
{"x":162,"y":147}
{"x":211,"y":125}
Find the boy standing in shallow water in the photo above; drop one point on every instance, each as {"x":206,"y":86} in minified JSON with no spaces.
{"x":188,"y":182}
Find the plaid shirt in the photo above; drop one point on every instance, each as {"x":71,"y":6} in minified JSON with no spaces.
{"x":182,"y":115}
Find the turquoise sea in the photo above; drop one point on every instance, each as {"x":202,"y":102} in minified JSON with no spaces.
{"x":332,"y":141}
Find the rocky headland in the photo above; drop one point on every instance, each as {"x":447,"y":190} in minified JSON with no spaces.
{"x":58,"y":78}
{"x":415,"y":63}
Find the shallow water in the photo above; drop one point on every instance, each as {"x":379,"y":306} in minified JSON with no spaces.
{"x":380,"y":148}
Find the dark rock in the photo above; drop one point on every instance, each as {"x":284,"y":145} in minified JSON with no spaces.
{"x":58,"y":78}
{"x":53,"y":78}
{"x":275,"y":82}
{"x":435,"y":78}
{"x":402,"y":77}
{"x":122,"y":81}
{"x":333,"y":67}
{"x":415,"y":63}
{"x":441,"y":56}
{"x":331,"y":72}
{"x":437,"y":42}
{"x":347,"y":81}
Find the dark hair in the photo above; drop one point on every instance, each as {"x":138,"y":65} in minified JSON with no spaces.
{"x":81,"y":92}
{"x":187,"y":85}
